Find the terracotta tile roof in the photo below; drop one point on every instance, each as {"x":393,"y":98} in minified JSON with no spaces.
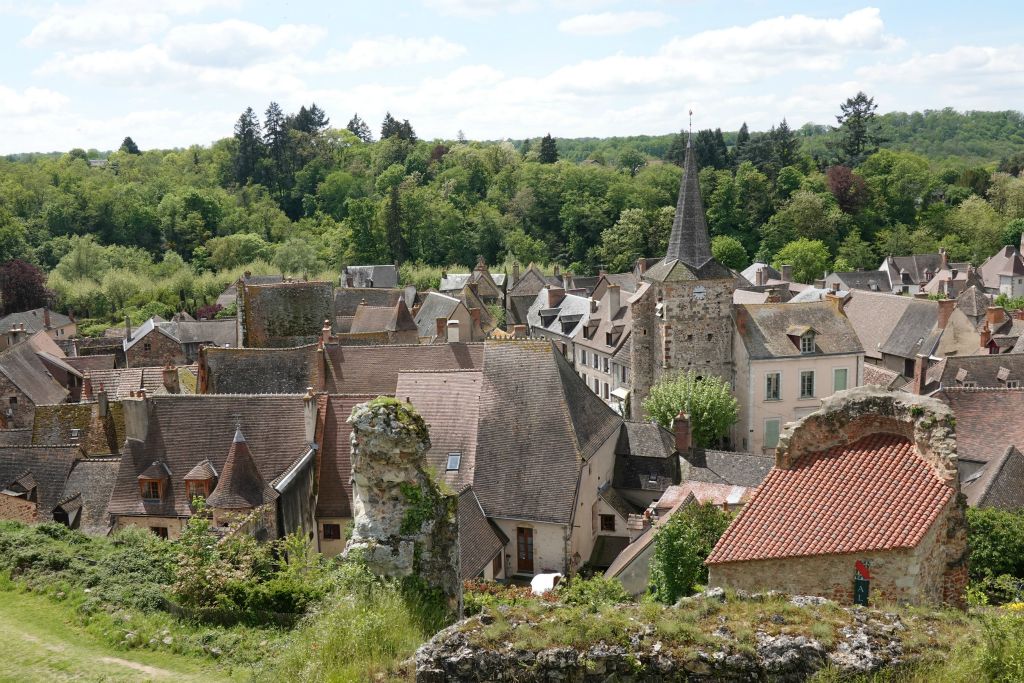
{"x":874,"y":494}
{"x":119,"y":383}
{"x":702,"y":492}
{"x":881,"y":376}
{"x":394,"y":318}
{"x":998,"y":484}
{"x":240,"y":485}
{"x":92,"y":363}
{"x":987,"y":421}
{"x":185,"y":430}
{"x":479,"y":539}
{"x":334,"y":495}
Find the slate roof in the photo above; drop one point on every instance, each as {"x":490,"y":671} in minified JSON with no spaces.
{"x":725,"y":467}
{"x":988,"y":370}
{"x":48,"y":466}
{"x":240,"y":485}
{"x":92,"y":481}
{"x":375,"y":369}
{"x":689,"y":242}
{"x":623,"y":508}
{"x":869,"y":280}
{"x":606,"y":549}
{"x":91,"y":363}
{"x":874,"y":494}
{"x":53,"y":424}
{"x":23,"y":367}
{"x":185,"y":430}
{"x":915,"y":266}
{"x":999,"y":484}
{"x":565,"y":320}
{"x":347,"y":299}
{"x":750,"y":272}
{"x":766,"y":329}
{"x":815,"y":294}
{"x":382,"y":276}
{"x":987,"y":421}
{"x":480,"y":541}
{"x":746,"y":296}
{"x":258,"y":371}
{"x":645,"y":458}
{"x":961,"y":275}
{"x":119,"y":383}
{"x":394,"y":318}
{"x":875,"y":318}
{"x":881,"y":376}
{"x":974,"y":303}
{"x":916,"y":331}
{"x":143,"y":330}
{"x":16,"y":437}
{"x":1006,"y":261}
{"x":223,"y":332}
{"x":334,"y":492}
{"x":435,"y":305}
{"x":33,"y":320}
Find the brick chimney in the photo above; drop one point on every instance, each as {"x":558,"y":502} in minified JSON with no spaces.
{"x":995,"y":316}
{"x":681,"y":427}
{"x":946,"y":307}
{"x":943,"y":259}
{"x":759,"y":277}
{"x":920,"y":373}
{"x":46,"y":318}
{"x":986,"y":336}
{"x":555,"y":296}
{"x":787,"y":272}
{"x":325,"y":333}
{"x":127,"y":328}
{"x":171,"y":382}
{"x":819,"y":283}
{"x":441,"y":328}
{"x":614,"y":295}
{"x":519,"y":331}
{"x":453,"y":332}
{"x":86,"y":387}
{"x":773,"y":297}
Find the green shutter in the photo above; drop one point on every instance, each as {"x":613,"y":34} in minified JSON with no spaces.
{"x":771,"y":433}
{"x":839,"y":378}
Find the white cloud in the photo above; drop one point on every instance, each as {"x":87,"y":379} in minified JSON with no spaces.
{"x":30,"y":101}
{"x":238,"y":43}
{"x":613,"y":23}
{"x":85,"y":28}
{"x":480,"y":8}
{"x":146,"y":65}
{"x":387,"y":51}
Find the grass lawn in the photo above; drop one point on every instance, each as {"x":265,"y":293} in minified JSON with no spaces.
{"x":42,"y":642}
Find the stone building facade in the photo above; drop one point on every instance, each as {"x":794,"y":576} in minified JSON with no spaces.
{"x":154,"y":348}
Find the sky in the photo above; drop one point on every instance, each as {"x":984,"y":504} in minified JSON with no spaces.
{"x":172,"y":73}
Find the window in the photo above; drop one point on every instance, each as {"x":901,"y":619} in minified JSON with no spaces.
{"x":159,"y":531}
{"x":454,"y":460}
{"x":625,"y":374}
{"x":1013,"y":384}
{"x":807,"y":384}
{"x":606,"y":394}
{"x":496,"y":565}
{"x":772,"y":382}
{"x":807,"y":342}
{"x":76,"y":433}
{"x":146,"y":346}
{"x":771,"y":433}
{"x":583,"y":356}
{"x":969,"y":385}
{"x":839,"y":378}
{"x":597,"y":386}
{"x":607,"y":522}
{"x":332,"y":532}
{"x":604,"y":364}
{"x":197,"y":488}
{"x":13,"y":400}
{"x":150,"y":489}
{"x":597,"y":361}
{"x":710,"y":336}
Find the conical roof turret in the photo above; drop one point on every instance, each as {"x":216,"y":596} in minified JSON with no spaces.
{"x":689,"y":241}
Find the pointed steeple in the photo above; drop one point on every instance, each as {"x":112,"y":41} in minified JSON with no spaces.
{"x":689,"y":241}
{"x":241,"y":486}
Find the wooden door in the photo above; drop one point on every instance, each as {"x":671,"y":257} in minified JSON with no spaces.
{"x":524,"y":550}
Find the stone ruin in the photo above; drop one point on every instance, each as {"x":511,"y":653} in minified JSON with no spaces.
{"x":404,"y":524}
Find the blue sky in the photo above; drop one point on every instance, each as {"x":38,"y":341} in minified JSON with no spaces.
{"x":85,"y":73}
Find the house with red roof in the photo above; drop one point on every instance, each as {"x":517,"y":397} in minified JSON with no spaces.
{"x":867,"y":486}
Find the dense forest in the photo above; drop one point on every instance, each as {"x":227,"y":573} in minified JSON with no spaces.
{"x":146,"y":232}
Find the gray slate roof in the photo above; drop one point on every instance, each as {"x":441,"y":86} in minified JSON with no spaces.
{"x":999,"y":484}
{"x":23,"y":367}
{"x":874,"y":317}
{"x":870,"y":280}
{"x":725,"y":467}
{"x":1007,"y":261}
{"x":479,"y":539}
{"x":765,"y":329}
{"x":991,"y":371}
{"x":435,"y":305}
{"x":689,"y":242}
{"x":750,"y":272}
{"x":382,"y":276}
{"x":915,"y":267}
{"x":48,"y":466}
{"x":92,"y":479}
{"x":566,"y":319}
{"x":33,"y":320}
{"x":645,"y":458}
{"x":915,"y":332}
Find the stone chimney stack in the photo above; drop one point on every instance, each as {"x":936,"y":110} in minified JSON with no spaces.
{"x":453,"y":332}
{"x":759,"y":277}
{"x":995,"y":316}
{"x":171,"y":382}
{"x":555,"y":296}
{"x":773,"y":297}
{"x":943,"y":259}
{"x":614,"y":295}
{"x":920,"y":373}
{"x":325,"y":333}
{"x":819,"y":283}
{"x":515,"y":273}
{"x":986,"y":336}
{"x":102,"y":403}
{"x":567,"y":281}
{"x":558,"y":271}
{"x":946,"y":307}
{"x":787,"y":272}
{"x":519,"y":332}
{"x":441,"y":328}
{"x":46,"y":317}
{"x":309,"y":411}
{"x":681,"y":427}
{"x":127,"y":328}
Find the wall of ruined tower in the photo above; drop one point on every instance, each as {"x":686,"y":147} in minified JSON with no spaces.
{"x":18,"y":509}
{"x":162,"y":349}
{"x":404,"y":525}
{"x":922,"y":575}
{"x":642,"y":341}
{"x":22,"y":413}
{"x":697,"y":334}
{"x":287,"y":314}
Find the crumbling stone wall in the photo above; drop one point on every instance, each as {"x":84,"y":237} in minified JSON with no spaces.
{"x":23,"y":410}
{"x":697,"y":329}
{"x":285,"y":314}
{"x":18,"y":509}
{"x":404,"y":524}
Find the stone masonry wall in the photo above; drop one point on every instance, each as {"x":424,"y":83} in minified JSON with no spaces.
{"x":18,"y":509}
{"x":162,"y":349}
{"x":697,"y":333}
{"x":23,"y":410}
{"x":285,"y":314}
{"x":641,"y":353}
{"x":403,"y":523}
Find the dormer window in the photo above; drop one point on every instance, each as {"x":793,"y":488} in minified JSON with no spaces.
{"x":807,"y":342}
{"x":76,"y":434}
{"x":153,"y":481}
{"x":150,"y":489}
{"x":197,"y":489}
{"x":200,"y":480}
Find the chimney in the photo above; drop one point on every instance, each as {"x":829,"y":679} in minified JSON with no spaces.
{"x":681,"y":427}
{"x":86,"y":387}
{"x":102,"y":404}
{"x":920,"y":373}
{"x":986,"y":336}
{"x":515,"y":272}
{"x":819,"y":284}
{"x":46,"y":318}
{"x":642,"y":265}
{"x":453,"y":331}
{"x":787,"y":272}
{"x":946,"y":307}
{"x":136,"y":417}
{"x":555,"y":296}
{"x":995,"y":316}
{"x":247,"y":274}
{"x":309,"y":412}
{"x":834,"y":287}
{"x":837,"y":301}
{"x":474,"y":313}
{"x":1018,"y":314}
{"x":321,"y":368}
{"x":773,"y":296}
{"x":74,"y":347}
{"x":614,"y":295}
{"x":171,"y":383}
{"x":519,"y":331}
{"x":759,"y":277}
{"x":558,"y":271}
{"x":920,"y":295}
{"x":567,"y":281}
{"x":325,"y":333}
{"x":127,"y":328}
{"x":943,"y":259}
{"x":441,"y":327}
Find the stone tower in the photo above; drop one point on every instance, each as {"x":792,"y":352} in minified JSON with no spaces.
{"x":682,"y":313}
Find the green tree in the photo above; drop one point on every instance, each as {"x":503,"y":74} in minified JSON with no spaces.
{"x":857,"y":253}
{"x":809,"y":258}
{"x":120,"y":286}
{"x":22,"y":287}
{"x":979,"y":226}
{"x":249,"y":146}
{"x":296,"y":257}
{"x":707,"y":400}
{"x":632,"y":160}
{"x":858,"y":136}
{"x":681,"y":545}
{"x":360,"y":128}
{"x":808,"y":215}
{"x":626,"y":241}
{"x":128,"y":146}
{"x":236,"y":250}
{"x":548,"y":150}
{"x":729,"y":252}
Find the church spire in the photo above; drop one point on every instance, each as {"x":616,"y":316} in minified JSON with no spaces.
{"x":689,"y":241}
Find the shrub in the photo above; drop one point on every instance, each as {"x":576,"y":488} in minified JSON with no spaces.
{"x":680,"y":547}
{"x":593,"y":593}
{"x":1002,"y":658}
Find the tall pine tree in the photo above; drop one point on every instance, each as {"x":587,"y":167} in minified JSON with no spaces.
{"x":858,"y":137}
{"x":359,"y":128}
{"x":390,"y":127}
{"x":548,"y":150}
{"x":250,"y":146}
{"x":128,"y":146}
{"x":275,"y":138}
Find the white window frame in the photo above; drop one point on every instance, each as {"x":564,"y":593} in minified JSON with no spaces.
{"x":804,"y":373}
{"x":457,"y":457}
{"x":778,"y":386}
{"x":1013,"y":384}
{"x":807,"y":342}
{"x":846,"y":380}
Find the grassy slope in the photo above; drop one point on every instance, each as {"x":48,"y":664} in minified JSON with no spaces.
{"x":42,"y":642}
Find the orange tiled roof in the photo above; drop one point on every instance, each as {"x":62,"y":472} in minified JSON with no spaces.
{"x":877,"y":493}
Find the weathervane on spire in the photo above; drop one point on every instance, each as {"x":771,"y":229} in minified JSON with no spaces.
{"x":691,"y":122}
